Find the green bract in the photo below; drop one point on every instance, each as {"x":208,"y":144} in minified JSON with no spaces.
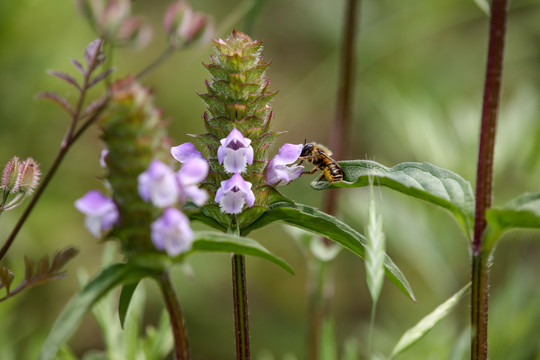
{"x":134,"y":134}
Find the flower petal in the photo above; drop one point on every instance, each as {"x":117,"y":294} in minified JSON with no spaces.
{"x":158,"y":185}
{"x":278,"y":173}
{"x":193,"y":171}
{"x":101,"y":212}
{"x":235,"y":161}
{"x":171,"y":232}
{"x":233,"y":193}
{"x":185,"y":152}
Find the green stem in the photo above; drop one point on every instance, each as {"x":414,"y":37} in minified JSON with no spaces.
{"x":160,"y":59}
{"x":181,"y":345}
{"x":319,"y":296}
{"x":480,"y":258}
{"x":241,"y":320}
{"x":371,"y":328}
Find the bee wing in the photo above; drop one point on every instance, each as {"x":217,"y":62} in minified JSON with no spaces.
{"x":330,"y":158}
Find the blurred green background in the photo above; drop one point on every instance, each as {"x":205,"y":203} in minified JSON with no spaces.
{"x":418,"y":94}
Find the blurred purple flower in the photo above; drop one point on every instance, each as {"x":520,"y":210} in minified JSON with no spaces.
{"x":101,"y":212}
{"x":158,"y":185}
{"x":233,"y":193}
{"x":278,"y":172}
{"x":103,"y":158}
{"x":189,"y":176}
{"x":171,"y":232}
{"x":185,"y":152}
{"x":235,"y":152}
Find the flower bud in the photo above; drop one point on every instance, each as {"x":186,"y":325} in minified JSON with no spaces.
{"x":10,"y":176}
{"x":184,"y":26}
{"x":112,"y":20}
{"x":29,"y":174}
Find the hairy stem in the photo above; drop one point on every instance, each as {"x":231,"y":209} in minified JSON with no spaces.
{"x":480,"y":260}
{"x":181,"y":345}
{"x":241,"y":320}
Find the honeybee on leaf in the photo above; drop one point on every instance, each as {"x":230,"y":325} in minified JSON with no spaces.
{"x":321,"y":158}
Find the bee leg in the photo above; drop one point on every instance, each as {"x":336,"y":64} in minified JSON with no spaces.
{"x":312,"y":171}
{"x":320,"y":178}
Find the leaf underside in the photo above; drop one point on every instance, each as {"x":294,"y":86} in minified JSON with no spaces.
{"x":424,"y":181}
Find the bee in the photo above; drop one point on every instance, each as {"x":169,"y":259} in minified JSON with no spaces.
{"x":320,"y":157}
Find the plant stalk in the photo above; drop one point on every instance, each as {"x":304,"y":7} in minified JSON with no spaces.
{"x":484,"y":178}
{"x":181,"y":345}
{"x":319,"y":295}
{"x":71,"y":136}
{"x":319,"y":302}
{"x":344,"y":98}
{"x":241,"y":319}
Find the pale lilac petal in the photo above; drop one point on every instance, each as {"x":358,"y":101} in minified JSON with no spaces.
{"x":289,"y":153}
{"x":101,"y":212}
{"x":233,"y":193}
{"x":249,"y":155}
{"x":235,"y":152}
{"x":235,"y":139}
{"x":185,"y":152}
{"x":232,"y":203}
{"x":221,"y":153}
{"x":278,"y":173}
{"x":198,"y":196}
{"x":158,"y":185}
{"x":193,"y":171}
{"x":171,"y":232}
{"x":235,"y":161}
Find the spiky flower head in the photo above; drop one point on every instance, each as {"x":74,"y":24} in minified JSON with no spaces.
{"x":238,"y":116}
{"x":134,"y":133}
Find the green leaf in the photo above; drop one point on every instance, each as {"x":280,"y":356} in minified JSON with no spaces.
{"x":314,"y":220}
{"x":81,"y":304}
{"x":210,"y":241}
{"x":522,"y":212}
{"x":424,"y":181}
{"x":418,"y":331}
{"x":125,"y":299}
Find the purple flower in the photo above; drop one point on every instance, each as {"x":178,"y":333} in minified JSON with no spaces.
{"x":233,"y":193}
{"x":158,"y":185}
{"x":235,"y":152}
{"x":193,"y":172}
{"x":101,"y":212}
{"x":185,"y":152}
{"x":103,"y":158}
{"x":171,"y":232}
{"x":278,"y":172}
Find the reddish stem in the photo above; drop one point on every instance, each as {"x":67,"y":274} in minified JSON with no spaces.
{"x":480,"y":258}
